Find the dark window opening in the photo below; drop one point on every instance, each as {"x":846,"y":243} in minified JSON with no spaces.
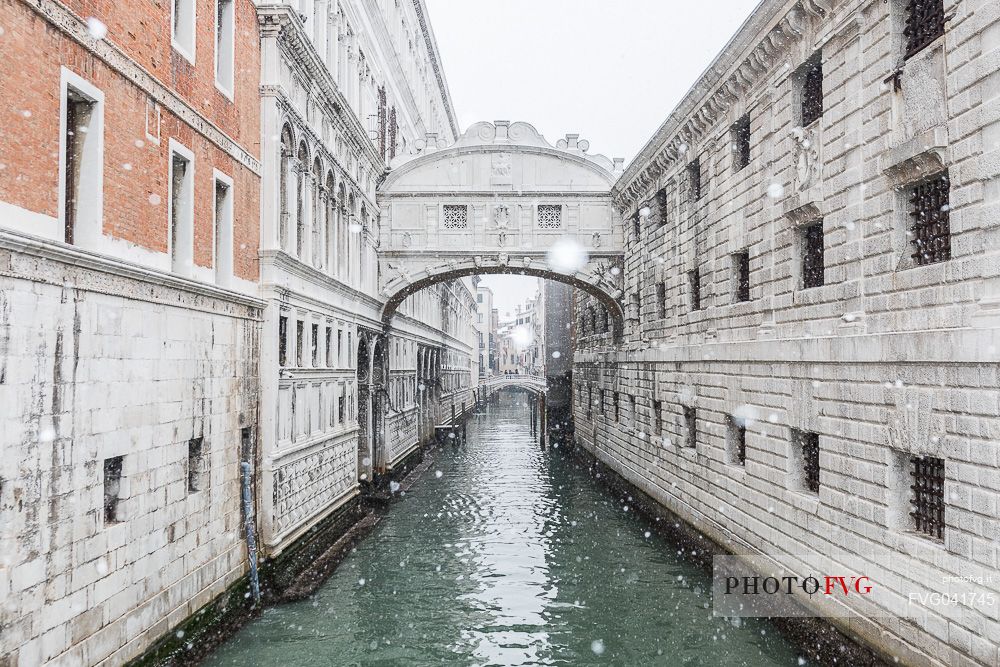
{"x":812,"y":256}
{"x":741,"y":269}
{"x":741,"y":142}
{"x":246,"y":444}
{"x":79,"y":111}
{"x":299,"y":340}
{"x":931,"y":230}
{"x":282,"y":341}
{"x":809,"y":442}
{"x":694,"y":179}
{"x":738,"y":441}
{"x":658,"y":417}
{"x":590,"y":402}
{"x":928,"y":495}
{"x":195,"y":462}
{"x":690,"y":426}
{"x":812,"y":90}
{"x":329,"y":347}
{"x":112,"y":488}
{"x":661,"y":299}
{"x":924,"y":24}
{"x":694,"y":283}
{"x":314,"y":345}
{"x":614,"y":406}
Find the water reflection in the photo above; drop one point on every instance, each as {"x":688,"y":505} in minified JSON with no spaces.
{"x":512,"y":556}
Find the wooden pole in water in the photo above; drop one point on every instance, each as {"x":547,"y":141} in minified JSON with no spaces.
{"x":542,"y":421}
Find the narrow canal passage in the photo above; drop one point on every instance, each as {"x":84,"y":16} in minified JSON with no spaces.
{"x":504,"y":554}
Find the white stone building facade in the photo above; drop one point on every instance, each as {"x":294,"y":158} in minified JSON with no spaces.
{"x":811,"y":352}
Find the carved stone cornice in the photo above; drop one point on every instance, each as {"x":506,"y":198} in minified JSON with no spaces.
{"x":75,"y":28}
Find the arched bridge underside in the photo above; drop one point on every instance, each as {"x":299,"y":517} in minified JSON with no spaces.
{"x":500,"y":200}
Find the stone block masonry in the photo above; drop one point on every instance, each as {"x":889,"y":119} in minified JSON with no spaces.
{"x":103,"y":361}
{"x":812,"y":318}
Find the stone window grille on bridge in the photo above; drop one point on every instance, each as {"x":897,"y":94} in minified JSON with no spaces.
{"x":112,"y":488}
{"x":456,"y":216}
{"x":694,"y":284}
{"x":931,"y":230}
{"x":741,"y":275}
{"x":195,"y":462}
{"x":549,"y":216}
{"x":694,"y":179}
{"x":810,"y":80}
{"x":924,"y":24}
{"x":813,"y":268}
{"x":282,"y":340}
{"x":741,"y":142}
{"x":808,"y":444}
{"x":690,"y":426}
{"x":927,"y":499}
{"x":737,"y":440}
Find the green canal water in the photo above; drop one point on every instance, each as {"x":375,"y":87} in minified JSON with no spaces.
{"x":504,"y":554}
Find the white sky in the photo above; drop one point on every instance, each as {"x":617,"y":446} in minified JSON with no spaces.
{"x":610,"y":70}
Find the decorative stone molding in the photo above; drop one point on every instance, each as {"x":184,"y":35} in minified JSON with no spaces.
{"x":922,"y":156}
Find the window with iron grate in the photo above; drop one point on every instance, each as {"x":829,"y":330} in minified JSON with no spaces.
{"x":690,"y":426}
{"x":924,"y":24}
{"x":931,"y":226}
{"x":456,"y":216}
{"x":927,"y":499}
{"x":741,"y":275}
{"x":549,"y":216}
{"x":694,"y":284}
{"x":811,"y":92}
{"x":657,"y":417}
{"x":112,"y":488}
{"x":661,"y":299}
{"x":741,"y":142}
{"x":808,"y":444}
{"x":812,"y":256}
{"x":615,"y":407}
{"x":694,"y":179}
{"x":737,"y":441}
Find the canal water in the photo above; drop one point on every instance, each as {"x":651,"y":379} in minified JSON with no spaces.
{"x":504,"y":554}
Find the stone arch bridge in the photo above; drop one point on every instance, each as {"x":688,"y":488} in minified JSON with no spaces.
{"x":501,"y":199}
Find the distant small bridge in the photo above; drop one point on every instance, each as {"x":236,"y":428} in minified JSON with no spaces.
{"x":536,"y":384}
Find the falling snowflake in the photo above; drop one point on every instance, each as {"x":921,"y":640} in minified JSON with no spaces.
{"x":96,"y":28}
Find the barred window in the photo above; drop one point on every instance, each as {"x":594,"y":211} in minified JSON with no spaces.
{"x":661,"y":299}
{"x":694,"y":283}
{"x":927,"y":499}
{"x":691,"y":426}
{"x":549,"y":216}
{"x":812,"y":256}
{"x":811,"y":92}
{"x":737,"y":441}
{"x":931,"y":230}
{"x":741,"y":142}
{"x":694,"y":179}
{"x":924,"y":24}
{"x":657,"y":417}
{"x":196,"y":461}
{"x":590,"y":401}
{"x":112,"y":488}
{"x":456,"y":216}
{"x":741,"y":275}
{"x":808,"y":444}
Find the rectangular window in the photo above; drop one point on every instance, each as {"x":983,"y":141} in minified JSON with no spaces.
{"x":927,"y":500}
{"x":741,"y":276}
{"x":224,"y":41}
{"x":549,"y":216}
{"x":737,"y":441}
{"x":246,"y":444}
{"x":456,"y":216}
{"x":112,"y":488}
{"x":223,"y":231}
{"x":690,"y":426}
{"x":195,"y":462}
{"x":600,"y":402}
{"x":810,"y":82}
{"x":181,"y":211}
{"x":615,"y":410}
{"x":808,"y":445}
{"x":340,"y":408}
{"x":182,"y":28}
{"x":812,"y":255}
{"x":329,"y":347}
{"x":82,"y":157}
{"x":340,"y":352}
{"x":590,"y":402}
{"x":657,"y":417}
{"x":741,"y":142}
{"x":314,"y":346}
{"x":924,"y":24}
{"x":661,"y":300}
{"x":931,"y":229}
{"x":282,"y":340}
{"x":694,"y":179}
{"x":299,"y":341}
{"x":694,"y":285}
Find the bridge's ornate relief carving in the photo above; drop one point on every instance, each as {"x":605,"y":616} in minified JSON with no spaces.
{"x":496,"y":201}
